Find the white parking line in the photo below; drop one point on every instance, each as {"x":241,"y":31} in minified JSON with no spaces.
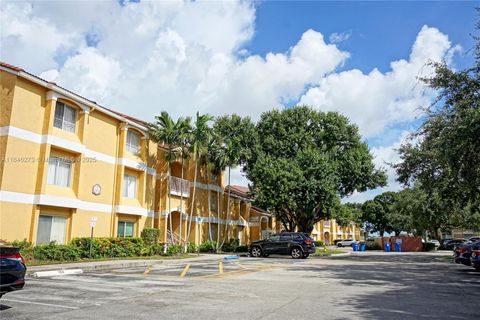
{"x":41,"y":304}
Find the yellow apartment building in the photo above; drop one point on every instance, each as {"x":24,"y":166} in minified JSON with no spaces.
{"x":329,"y":230}
{"x":68,"y":164}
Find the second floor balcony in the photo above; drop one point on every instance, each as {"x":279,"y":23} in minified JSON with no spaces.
{"x":326,"y":224}
{"x":179,"y":187}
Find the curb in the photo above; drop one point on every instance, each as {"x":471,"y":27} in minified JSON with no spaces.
{"x":104,"y":265}
{"x":53,"y":273}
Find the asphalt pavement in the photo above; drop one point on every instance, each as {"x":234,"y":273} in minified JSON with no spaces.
{"x":353,"y":286}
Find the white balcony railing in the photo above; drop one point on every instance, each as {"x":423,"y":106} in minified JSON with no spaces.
{"x":179,"y":187}
{"x":326,"y":224}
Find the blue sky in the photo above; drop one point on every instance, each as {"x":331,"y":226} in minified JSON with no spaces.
{"x":380,"y":31}
{"x":362,"y":59}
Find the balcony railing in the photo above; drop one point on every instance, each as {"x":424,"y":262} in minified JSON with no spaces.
{"x":326,"y":224}
{"x":179,"y":187}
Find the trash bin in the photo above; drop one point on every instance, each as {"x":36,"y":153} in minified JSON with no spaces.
{"x":355,"y":246}
{"x":386,"y":247}
{"x":362,"y":246}
{"x":398,"y":247}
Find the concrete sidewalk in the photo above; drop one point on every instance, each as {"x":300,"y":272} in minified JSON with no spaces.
{"x":117,"y":264}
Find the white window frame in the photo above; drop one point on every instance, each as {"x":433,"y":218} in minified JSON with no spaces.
{"x":125,"y":228}
{"x":54,"y":163}
{"x":61,"y":122}
{"x":126,"y":191}
{"x":133,"y":147}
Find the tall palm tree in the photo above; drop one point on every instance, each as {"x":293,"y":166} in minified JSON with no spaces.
{"x":165,"y":131}
{"x":184,"y":128}
{"x":219,"y":163}
{"x":198,"y":147}
{"x":232,"y":157}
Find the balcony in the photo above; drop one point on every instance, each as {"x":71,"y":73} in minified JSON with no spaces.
{"x":179,"y":187}
{"x":326,"y":224}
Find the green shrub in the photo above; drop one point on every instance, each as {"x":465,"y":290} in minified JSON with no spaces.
{"x":230,"y":246}
{"x":110,"y":247}
{"x":150,"y":235}
{"x":208,"y":246}
{"x":428,"y":246}
{"x":372,"y":245}
{"x":319,"y":243}
{"x":26,"y":248}
{"x":56,"y":252}
{"x":241,"y":249}
{"x":192,"y":248}
{"x":174,"y":249}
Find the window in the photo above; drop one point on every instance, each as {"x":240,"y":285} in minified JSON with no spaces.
{"x":59,"y":171}
{"x":65,"y":117}
{"x":51,"y":228}
{"x":213,"y":201}
{"x":125,"y":229}
{"x":133,"y":142}
{"x":274,"y":238}
{"x":129,"y":186}
{"x":285,"y":237}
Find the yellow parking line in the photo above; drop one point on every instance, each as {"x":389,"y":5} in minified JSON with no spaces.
{"x":185,"y":270}
{"x":220,"y":267}
{"x":147,"y":271}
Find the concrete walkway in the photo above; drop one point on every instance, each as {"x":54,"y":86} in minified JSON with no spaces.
{"x":116,"y":264}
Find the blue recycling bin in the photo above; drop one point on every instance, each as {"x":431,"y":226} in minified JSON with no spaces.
{"x":362,"y":246}
{"x":355,"y":246}
{"x":398,"y":247}
{"x":386,"y":247}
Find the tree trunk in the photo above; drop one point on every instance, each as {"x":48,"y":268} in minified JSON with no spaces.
{"x":181,"y":203}
{"x":228,"y":208}
{"x":169,"y":201}
{"x":209,"y":207}
{"x":218,"y":221}
{"x":193,"y":205}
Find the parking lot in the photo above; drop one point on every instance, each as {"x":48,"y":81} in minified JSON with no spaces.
{"x":363,"y":286}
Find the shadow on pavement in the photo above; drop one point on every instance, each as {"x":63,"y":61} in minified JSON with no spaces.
{"x":409,"y":287}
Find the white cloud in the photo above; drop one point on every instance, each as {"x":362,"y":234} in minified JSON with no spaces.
{"x":339,"y":37}
{"x":187,"y":56}
{"x":178,"y":56}
{"x":374,"y":100}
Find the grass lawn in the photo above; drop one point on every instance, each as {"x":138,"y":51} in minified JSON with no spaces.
{"x":47,"y":262}
{"x":327,"y":252}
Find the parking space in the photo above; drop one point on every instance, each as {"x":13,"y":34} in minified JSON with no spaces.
{"x":371,"y":286}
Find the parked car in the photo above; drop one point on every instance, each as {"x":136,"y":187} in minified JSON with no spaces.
{"x":435,"y":242}
{"x":463,"y":252}
{"x":12,"y":269}
{"x":475,"y":256}
{"x":474,"y":239}
{"x":450,"y":245}
{"x":296,"y":244}
{"x":345,"y":243}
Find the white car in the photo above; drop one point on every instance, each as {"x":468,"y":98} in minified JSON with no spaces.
{"x":435,"y":242}
{"x":346,"y":243}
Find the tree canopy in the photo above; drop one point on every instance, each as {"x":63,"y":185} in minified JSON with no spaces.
{"x":304,"y":161}
{"x":443,"y":157}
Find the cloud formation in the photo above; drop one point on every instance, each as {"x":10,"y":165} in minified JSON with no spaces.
{"x":142,"y":58}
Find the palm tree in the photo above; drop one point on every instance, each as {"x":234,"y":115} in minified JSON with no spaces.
{"x":185,"y":129}
{"x":165,"y":131}
{"x":198,"y":147}
{"x":219,"y":163}
{"x":232,"y":157}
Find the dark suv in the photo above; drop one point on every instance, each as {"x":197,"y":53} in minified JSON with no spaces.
{"x":296,"y":244}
